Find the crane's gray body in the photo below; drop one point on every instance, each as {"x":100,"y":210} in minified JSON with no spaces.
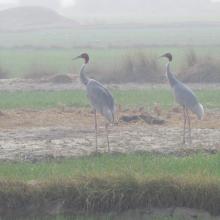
{"x":101,"y":99}
{"x":184,"y":95}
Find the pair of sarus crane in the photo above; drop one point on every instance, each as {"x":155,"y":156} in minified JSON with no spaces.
{"x":102,"y":100}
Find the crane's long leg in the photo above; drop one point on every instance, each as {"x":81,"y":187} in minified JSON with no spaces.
{"x":189,"y":126}
{"x":96,"y":132}
{"x":184,"y":126}
{"x":106,"y":130}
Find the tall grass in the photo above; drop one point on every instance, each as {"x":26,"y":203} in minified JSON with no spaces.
{"x":200,"y":68}
{"x":136,"y":67}
{"x":112,"y":183}
{"x":19,"y":62}
{"x":40,"y":70}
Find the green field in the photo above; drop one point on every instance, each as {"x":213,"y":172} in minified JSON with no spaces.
{"x":122,"y":36}
{"x":77,"y":98}
{"x":53,"y":50}
{"x":139,"y":166}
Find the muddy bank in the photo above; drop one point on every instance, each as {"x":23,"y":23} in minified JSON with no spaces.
{"x":91,"y":195}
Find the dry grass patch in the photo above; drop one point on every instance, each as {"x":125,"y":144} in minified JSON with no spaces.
{"x":109,"y":193}
{"x":136,"y":67}
{"x":200,"y":69}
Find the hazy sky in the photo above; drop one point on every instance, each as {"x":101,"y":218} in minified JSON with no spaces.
{"x":63,"y":3}
{"x":157,"y":8}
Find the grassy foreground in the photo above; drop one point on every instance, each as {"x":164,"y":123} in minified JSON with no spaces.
{"x":77,"y":98}
{"x":111,"y":183}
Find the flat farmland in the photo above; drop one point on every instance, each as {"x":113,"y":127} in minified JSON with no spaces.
{"x":53,"y":50}
{"x":60,"y":123}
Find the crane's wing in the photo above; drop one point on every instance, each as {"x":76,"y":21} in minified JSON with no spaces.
{"x":101,"y":99}
{"x":186,"y":97}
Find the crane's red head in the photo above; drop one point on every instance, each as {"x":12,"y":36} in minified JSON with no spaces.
{"x":168,"y":56}
{"x":84,"y":56}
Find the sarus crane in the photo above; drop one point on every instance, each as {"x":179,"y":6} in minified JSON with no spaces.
{"x":185,"y":97}
{"x":100,"y":98}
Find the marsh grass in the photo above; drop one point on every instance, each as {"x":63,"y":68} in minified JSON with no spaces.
{"x":106,"y":183}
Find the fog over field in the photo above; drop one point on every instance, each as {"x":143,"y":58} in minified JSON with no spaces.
{"x":137,"y":157}
{"x":127,"y":8}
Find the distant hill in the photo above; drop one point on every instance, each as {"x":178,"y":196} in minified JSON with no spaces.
{"x":31,"y":18}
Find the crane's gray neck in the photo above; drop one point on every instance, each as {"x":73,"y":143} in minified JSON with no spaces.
{"x":83,"y":78}
{"x":172,"y":79}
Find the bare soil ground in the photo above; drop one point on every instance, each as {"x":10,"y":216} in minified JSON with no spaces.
{"x":47,"y":84}
{"x":35,"y":135}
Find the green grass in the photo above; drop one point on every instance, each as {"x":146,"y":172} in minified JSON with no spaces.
{"x":119,"y":36}
{"x":134,"y":165}
{"x":41,"y":100}
{"x":77,"y":98}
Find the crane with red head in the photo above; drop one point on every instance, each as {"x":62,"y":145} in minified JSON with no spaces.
{"x":185,"y":97}
{"x":100,"y":98}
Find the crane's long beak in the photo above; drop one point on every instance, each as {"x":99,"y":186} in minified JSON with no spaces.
{"x":78,"y":57}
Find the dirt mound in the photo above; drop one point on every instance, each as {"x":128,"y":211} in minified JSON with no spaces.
{"x":30,"y":18}
{"x":61,"y":79}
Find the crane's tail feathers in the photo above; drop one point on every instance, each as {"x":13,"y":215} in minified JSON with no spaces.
{"x":109,"y":115}
{"x":198,"y":110}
